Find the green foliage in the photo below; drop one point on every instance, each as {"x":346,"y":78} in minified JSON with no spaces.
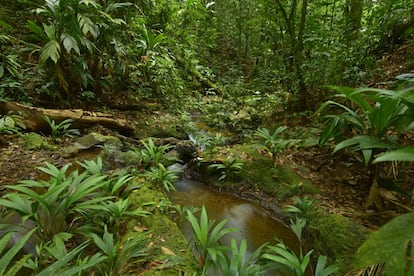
{"x":228,"y":169}
{"x":10,"y":67}
{"x":50,"y":204}
{"x":153,"y":155}
{"x":6,"y":257}
{"x":207,"y":236}
{"x":74,"y":38}
{"x":369,"y":122}
{"x":300,"y":207}
{"x":56,"y":258}
{"x":119,"y":255}
{"x":163,"y":177}
{"x":274,"y":143}
{"x":236,"y":262}
{"x":10,"y":124}
{"x":62,"y":129}
{"x":286,"y":260}
{"x":402,"y":154}
{"x":392,"y":245}
{"x":92,"y":166}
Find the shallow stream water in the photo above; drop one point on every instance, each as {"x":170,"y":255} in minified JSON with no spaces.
{"x":252,"y":222}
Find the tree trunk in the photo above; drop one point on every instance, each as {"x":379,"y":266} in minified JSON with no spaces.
{"x":34,"y":118}
{"x":353,"y":14}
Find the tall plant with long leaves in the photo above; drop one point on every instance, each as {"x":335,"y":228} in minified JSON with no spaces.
{"x":70,"y":37}
{"x":368,"y":122}
{"x":60,"y":204}
{"x":207,"y":238}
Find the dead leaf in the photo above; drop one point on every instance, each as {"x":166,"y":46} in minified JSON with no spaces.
{"x":167,"y":251}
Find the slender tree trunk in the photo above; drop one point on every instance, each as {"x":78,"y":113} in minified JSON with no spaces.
{"x":353,"y":14}
{"x":303,"y":98}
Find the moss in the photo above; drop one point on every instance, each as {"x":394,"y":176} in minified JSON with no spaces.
{"x":259,"y":173}
{"x":170,"y":254}
{"x":33,"y":141}
{"x":337,"y":237}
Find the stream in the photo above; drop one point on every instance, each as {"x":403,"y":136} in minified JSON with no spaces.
{"x":252,"y":222}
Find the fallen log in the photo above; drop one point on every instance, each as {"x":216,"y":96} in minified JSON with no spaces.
{"x":33,"y":117}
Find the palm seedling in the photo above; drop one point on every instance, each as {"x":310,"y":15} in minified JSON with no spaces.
{"x":207,"y":236}
{"x":119,"y":255}
{"x":282,"y":258}
{"x":61,"y":129}
{"x":10,"y":124}
{"x":55,"y":258}
{"x":228,"y":169}
{"x":238,"y":262}
{"x":370,"y":123}
{"x":152,"y":155}
{"x":163,"y":177}
{"x":274,"y":143}
{"x":59,"y":204}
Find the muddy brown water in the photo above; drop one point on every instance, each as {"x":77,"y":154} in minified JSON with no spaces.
{"x":252,"y":222}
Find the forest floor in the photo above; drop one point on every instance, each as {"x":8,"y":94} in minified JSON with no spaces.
{"x":341,"y":179}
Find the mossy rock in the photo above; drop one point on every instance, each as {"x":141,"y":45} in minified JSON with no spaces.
{"x":258,"y":172}
{"x":336,"y":237}
{"x":34,"y":141}
{"x":170,"y":253}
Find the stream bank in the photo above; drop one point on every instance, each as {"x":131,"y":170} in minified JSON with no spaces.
{"x":271,"y":185}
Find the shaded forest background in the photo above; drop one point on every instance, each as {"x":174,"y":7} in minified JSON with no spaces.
{"x":71,"y":52}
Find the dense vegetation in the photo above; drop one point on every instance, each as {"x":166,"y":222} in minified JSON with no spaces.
{"x":247,"y":66}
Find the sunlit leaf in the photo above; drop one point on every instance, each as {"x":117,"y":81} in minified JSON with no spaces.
{"x":70,"y":43}
{"x":50,"y":51}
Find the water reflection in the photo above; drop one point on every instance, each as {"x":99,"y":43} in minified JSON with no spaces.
{"x":252,"y":222}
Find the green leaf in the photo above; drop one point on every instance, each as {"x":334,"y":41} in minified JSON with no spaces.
{"x":50,"y":51}
{"x":322,"y":270}
{"x":403,"y":154}
{"x":70,"y":43}
{"x":59,"y":264}
{"x":32,"y":26}
{"x":9,"y":255}
{"x":389,"y":245}
{"x":50,"y":31}
{"x":87,"y":26}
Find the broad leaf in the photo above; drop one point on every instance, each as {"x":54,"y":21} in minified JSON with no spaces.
{"x":389,"y":245}
{"x":50,"y":51}
{"x":403,"y":154}
{"x":70,"y":43}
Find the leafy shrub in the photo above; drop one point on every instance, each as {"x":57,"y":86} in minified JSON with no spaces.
{"x":369,"y":123}
{"x":163,"y":177}
{"x":62,"y":129}
{"x":274,"y":143}
{"x":228,"y":169}
{"x":10,"y":124}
